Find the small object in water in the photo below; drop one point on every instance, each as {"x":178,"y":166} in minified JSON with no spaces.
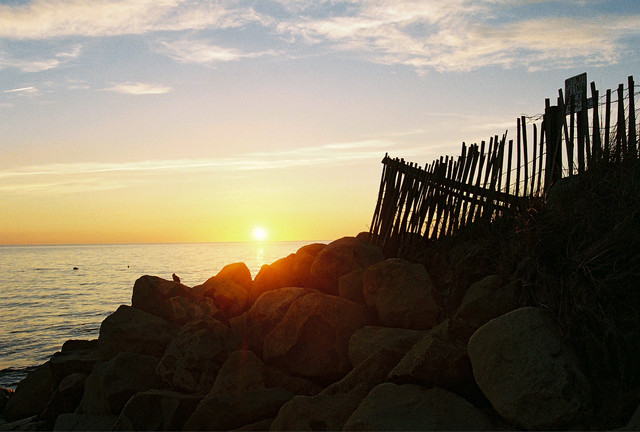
{"x":75,"y":268}
{"x":175,"y":278}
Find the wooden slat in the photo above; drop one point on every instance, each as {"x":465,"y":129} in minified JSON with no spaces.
{"x":621,"y":135}
{"x":597,"y":142}
{"x":607,"y":125}
{"x":633,"y":150}
{"x":525,"y":158}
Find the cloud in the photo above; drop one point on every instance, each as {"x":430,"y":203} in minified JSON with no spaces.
{"x":43,"y":19}
{"x":463,"y":35}
{"x":203,"y":52}
{"x":44,"y":63}
{"x":61,"y":177}
{"x":23,"y":90}
{"x":139,"y":89}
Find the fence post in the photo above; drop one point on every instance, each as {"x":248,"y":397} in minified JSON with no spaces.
{"x":553,"y":165}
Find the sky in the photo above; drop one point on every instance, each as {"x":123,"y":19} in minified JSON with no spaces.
{"x":134,"y":121}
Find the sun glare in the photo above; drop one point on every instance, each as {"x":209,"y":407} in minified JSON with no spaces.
{"x":260,"y":234}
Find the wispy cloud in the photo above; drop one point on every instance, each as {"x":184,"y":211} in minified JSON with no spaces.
{"x":139,"y":89}
{"x":42,"y":19}
{"x":24,"y":90}
{"x":45,"y":62}
{"x":60,"y":178}
{"x":204,"y":52}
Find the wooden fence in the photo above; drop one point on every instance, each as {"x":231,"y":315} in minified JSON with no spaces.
{"x":489,"y":179}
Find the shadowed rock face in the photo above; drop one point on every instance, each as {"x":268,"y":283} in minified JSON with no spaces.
{"x":150,"y":294}
{"x":339,"y":258}
{"x":524,"y":368}
{"x":312,"y":339}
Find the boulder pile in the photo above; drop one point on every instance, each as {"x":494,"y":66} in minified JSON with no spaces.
{"x":333,"y":337}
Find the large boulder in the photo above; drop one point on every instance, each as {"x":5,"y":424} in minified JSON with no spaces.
{"x":439,"y":359}
{"x":351,"y":285}
{"x":487,"y":299}
{"x":528,"y":373}
{"x":112,"y":383}
{"x":150,"y":294}
{"x":411,"y":407}
{"x":237,"y":272}
{"x":84,"y":422}
{"x":303,"y":261}
{"x":279,"y":274}
{"x":31,"y":395}
{"x":224,"y":412}
{"x":133,"y":330}
{"x":400,"y":293}
{"x":312,"y":339}
{"x":76,"y":356}
{"x":229,"y":296}
{"x":192,"y":360}
{"x":267,"y":311}
{"x":371,"y":339}
{"x":156,"y":410}
{"x":185,"y":309}
{"x":339,"y":258}
{"x":66,"y":398}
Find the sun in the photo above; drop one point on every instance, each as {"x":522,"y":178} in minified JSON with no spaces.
{"x":260,"y":234}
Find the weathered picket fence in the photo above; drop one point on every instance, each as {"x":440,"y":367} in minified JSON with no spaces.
{"x":486,"y":180}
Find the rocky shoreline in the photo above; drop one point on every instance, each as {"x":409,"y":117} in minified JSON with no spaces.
{"x":333,"y":337}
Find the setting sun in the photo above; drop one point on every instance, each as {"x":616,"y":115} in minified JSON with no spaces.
{"x":260,"y":234}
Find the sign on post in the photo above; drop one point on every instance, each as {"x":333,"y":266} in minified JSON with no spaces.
{"x":576,"y":87}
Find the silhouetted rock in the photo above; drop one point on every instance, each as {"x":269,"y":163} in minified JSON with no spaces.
{"x":150,"y":294}
{"x":66,"y":398}
{"x":31,"y":396}
{"x":487,"y":299}
{"x":303,"y":261}
{"x":523,"y":367}
{"x":5,"y":394}
{"x":312,"y":339}
{"x":411,"y":407}
{"x":76,"y":356}
{"x":112,"y":383}
{"x":133,"y":330}
{"x":350,"y":286}
{"x":84,"y":422}
{"x":185,"y":309}
{"x":371,"y":339}
{"x":32,"y":423}
{"x":280,"y":274}
{"x":265,"y":313}
{"x":192,"y":360}
{"x":400,"y":293}
{"x":229,"y":296}
{"x":339,"y":258}
{"x":156,"y":410}
{"x":439,"y":359}
{"x":221,"y":412}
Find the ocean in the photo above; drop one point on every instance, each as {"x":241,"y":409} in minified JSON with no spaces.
{"x":50,"y":294}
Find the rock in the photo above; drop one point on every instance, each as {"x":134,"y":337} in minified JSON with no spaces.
{"x":312,"y":339}
{"x":280,"y":274}
{"x":28,"y":424}
{"x":225,"y":413}
{"x":229,"y":296}
{"x":133,"y":330}
{"x":411,"y":407}
{"x":5,"y":394}
{"x":350,"y":286}
{"x":193,"y":358}
{"x":634,"y":422}
{"x":66,"y":398}
{"x":330,"y":409}
{"x":486,"y":300}
{"x":303,"y":261}
{"x":112,"y":383}
{"x":401,"y":294}
{"x":262,"y":425}
{"x":150,"y":294}
{"x":371,"y":339}
{"x":339,"y":258}
{"x":84,"y":422}
{"x":267,"y":311}
{"x":184,"y":309}
{"x":237,"y":272}
{"x":31,"y":395}
{"x":156,"y":410}
{"x":523,"y":367}
{"x":439,"y":359}
{"x":76,"y":356}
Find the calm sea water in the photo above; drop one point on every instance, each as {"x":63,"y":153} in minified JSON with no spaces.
{"x":45,"y":302}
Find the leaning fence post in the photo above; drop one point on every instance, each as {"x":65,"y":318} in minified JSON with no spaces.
{"x":553,"y":165}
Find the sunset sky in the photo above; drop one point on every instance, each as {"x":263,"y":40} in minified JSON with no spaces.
{"x":184,"y":120}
